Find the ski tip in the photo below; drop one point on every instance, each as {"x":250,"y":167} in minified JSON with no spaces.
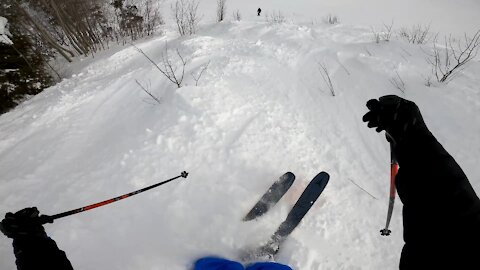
{"x":322,"y":177}
{"x":289,"y":174}
{"x":324,"y":174}
{"x":248,"y":218}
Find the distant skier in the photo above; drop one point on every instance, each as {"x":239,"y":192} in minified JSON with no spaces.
{"x":441,"y":212}
{"x":259,"y":10}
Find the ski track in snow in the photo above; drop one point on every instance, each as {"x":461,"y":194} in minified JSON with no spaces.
{"x":261,"y":109}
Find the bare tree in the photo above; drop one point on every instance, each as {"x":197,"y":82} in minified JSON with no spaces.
{"x":196,"y":77}
{"x":418,"y":34}
{"x":446,"y":62}
{"x":151,"y":17}
{"x":387,"y":31}
{"x":173,"y":72}
{"x":75,"y":20}
{"x":24,"y":57}
{"x":331,"y":19}
{"x":43,"y":33}
{"x":237,"y":16}
{"x":326,"y":77}
{"x":397,"y":82}
{"x":82,"y":27}
{"x":275,"y":17}
{"x":133,"y":21}
{"x":185,"y":15}
{"x":221,"y":10}
{"x":384,"y":35}
{"x":376,"y":35}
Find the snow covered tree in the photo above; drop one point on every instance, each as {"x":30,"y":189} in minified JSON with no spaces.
{"x":185,"y":15}
{"x":23,"y":60}
{"x":135,"y":21}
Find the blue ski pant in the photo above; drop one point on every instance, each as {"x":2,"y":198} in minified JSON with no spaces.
{"x":213,"y":263}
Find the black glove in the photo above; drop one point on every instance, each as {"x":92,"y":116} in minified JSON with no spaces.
{"x":399,"y":117}
{"x":24,"y":223}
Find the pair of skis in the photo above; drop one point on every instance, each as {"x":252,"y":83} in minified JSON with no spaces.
{"x":299,"y":210}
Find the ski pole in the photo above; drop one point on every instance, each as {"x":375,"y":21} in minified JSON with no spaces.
{"x":49,"y":219}
{"x":391,"y":202}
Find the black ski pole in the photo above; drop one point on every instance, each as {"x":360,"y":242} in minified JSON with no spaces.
{"x":49,"y":219}
{"x":391,"y":202}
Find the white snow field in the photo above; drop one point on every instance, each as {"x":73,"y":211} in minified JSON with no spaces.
{"x":260,"y":109}
{"x":444,"y":16}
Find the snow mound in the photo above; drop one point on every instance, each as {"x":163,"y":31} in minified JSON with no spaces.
{"x":4,"y":33}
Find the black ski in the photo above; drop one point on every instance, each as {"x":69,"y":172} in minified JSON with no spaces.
{"x":299,"y":210}
{"x":271,"y":197}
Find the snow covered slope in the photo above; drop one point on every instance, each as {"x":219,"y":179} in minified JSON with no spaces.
{"x":260,"y":109}
{"x":444,"y":16}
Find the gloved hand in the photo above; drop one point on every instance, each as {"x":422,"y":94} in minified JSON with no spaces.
{"x":24,"y":223}
{"x":399,"y":117}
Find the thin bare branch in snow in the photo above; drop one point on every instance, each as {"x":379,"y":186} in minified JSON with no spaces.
{"x":196,"y":77}
{"x":148,"y":92}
